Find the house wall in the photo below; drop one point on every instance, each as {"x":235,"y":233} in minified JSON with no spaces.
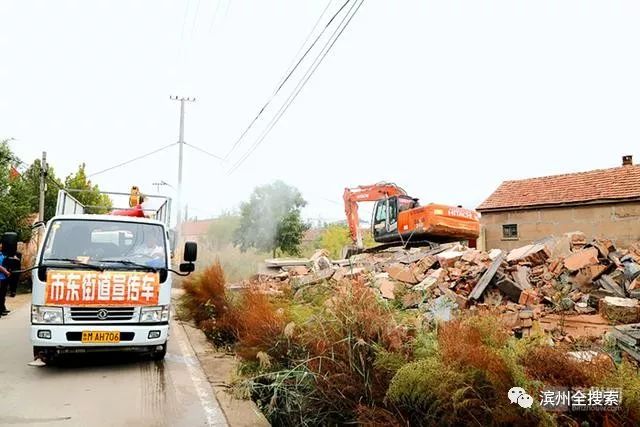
{"x":619,"y":222}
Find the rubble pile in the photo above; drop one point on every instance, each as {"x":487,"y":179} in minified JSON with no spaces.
{"x":585,"y":286}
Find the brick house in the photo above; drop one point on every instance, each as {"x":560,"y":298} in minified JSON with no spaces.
{"x":603,"y":202}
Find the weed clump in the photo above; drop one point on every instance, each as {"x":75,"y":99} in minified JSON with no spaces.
{"x":207,"y":303}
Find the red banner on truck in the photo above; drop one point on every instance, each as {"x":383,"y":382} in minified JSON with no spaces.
{"x":107,"y":288}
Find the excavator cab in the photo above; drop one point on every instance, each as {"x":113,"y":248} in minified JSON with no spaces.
{"x":385,"y":216}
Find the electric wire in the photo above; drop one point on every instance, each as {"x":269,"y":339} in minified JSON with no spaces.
{"x":204,"y":151}
{"x":348,"y":17}
{"x":132,"y":160}
{"x":195,"y":18}
{"x":288,"y":75}
{"x":184,"y":19}
{"x":215,"y":15}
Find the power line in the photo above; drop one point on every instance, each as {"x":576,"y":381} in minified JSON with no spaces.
{"x":348,"y":17}
{"x":292,"y":67}
{"x":204,"y":151}
{"x":132,"y":160}
{"x":290,"y":72}
{"x":215,"y":15}
{"x":184,"y":19}
{"x":195,"y":18}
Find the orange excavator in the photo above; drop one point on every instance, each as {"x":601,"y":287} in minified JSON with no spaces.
{"x":399,"y":219}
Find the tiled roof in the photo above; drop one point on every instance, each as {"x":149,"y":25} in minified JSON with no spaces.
{"x":604,"y":185}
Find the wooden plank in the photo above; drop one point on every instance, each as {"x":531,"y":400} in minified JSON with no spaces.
{"x":484,"y":281}
{"x":286,"y":262}
{"x":609,"y":284}
{"x":631,"y":332}
{"x":631,"y":351}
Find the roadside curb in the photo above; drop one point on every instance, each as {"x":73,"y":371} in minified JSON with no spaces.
{"x":219,"y":369}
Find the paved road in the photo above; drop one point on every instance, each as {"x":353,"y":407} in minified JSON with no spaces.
{"x":101,"y":391}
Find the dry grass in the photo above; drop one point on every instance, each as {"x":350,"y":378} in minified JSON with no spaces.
{"x":555,"y":367}
{"x":207,"y":303}
{"x":471,"y":344}
{"x":259,"y":327}
{"x":343,"y":346}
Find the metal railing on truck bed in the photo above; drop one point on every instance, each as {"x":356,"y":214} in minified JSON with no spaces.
{"x":69,"y":205}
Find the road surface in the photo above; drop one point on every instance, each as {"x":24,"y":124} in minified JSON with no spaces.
{"x":101,"y":390}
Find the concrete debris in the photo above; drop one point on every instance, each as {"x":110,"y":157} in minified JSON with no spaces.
{"x":430,"y":281}
{"x":313,"y":279}
{"x":620,"y":310}
{"x":320,"y":260}
{"x":567,"y":284}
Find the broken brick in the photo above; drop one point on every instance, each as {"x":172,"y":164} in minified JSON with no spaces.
{"x":529,"y":297}
{"x":581,"y":259}
{"x":402,"y":273}
{"x":387,"y":289}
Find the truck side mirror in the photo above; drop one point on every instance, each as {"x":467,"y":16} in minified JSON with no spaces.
{"x":190,"y":251}
{"x":187,"y":267}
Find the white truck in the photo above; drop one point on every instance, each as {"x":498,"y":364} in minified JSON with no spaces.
{"x":103,"y":282}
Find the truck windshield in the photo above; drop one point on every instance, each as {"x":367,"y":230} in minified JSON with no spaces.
{"x":95,"y":241}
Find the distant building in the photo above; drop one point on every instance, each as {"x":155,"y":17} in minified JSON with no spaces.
{"x":603,"y":202}
{"x":195,"y":231}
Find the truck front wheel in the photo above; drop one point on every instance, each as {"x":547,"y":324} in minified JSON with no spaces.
{"x":43,"y":353}
{"x":159,"y":354}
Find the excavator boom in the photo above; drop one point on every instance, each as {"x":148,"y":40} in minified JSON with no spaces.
{"x":365,"y":193}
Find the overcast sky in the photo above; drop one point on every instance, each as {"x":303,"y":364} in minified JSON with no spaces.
{"x":445,"y":98}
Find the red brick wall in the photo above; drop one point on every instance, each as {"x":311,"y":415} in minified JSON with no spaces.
{"x":619,"y":222}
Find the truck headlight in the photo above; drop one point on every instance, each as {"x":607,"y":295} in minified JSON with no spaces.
{"x":154,"y":314}
{"x":45,"y":314}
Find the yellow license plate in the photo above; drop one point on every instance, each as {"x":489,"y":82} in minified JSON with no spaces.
{"x":100,"y":337}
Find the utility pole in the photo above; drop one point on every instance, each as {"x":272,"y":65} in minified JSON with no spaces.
{"x":43,"y":185}
{"x":181,"y":146}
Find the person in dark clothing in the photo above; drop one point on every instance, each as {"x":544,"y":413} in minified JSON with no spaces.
{"x":4,"y":275}
{"x":13,"y":263}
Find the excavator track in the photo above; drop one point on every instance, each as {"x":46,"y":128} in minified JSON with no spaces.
{"x":349,"y":251}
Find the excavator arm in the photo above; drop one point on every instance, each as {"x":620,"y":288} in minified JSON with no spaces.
{"x":365,"y":193}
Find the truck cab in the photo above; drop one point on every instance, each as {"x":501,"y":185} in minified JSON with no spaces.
{"x":103,"y":282}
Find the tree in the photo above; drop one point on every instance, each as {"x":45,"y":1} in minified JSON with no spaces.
{"x":32,"y":181}
{"x":91,"y":196}
{"x":271,"y":220}
{"x":15,"y":200}
{"x":336,"y":236}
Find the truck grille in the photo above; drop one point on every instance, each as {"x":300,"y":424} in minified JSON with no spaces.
{"x":102,"y":314}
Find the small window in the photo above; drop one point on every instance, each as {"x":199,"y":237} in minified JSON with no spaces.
{"x":510,"y":231}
